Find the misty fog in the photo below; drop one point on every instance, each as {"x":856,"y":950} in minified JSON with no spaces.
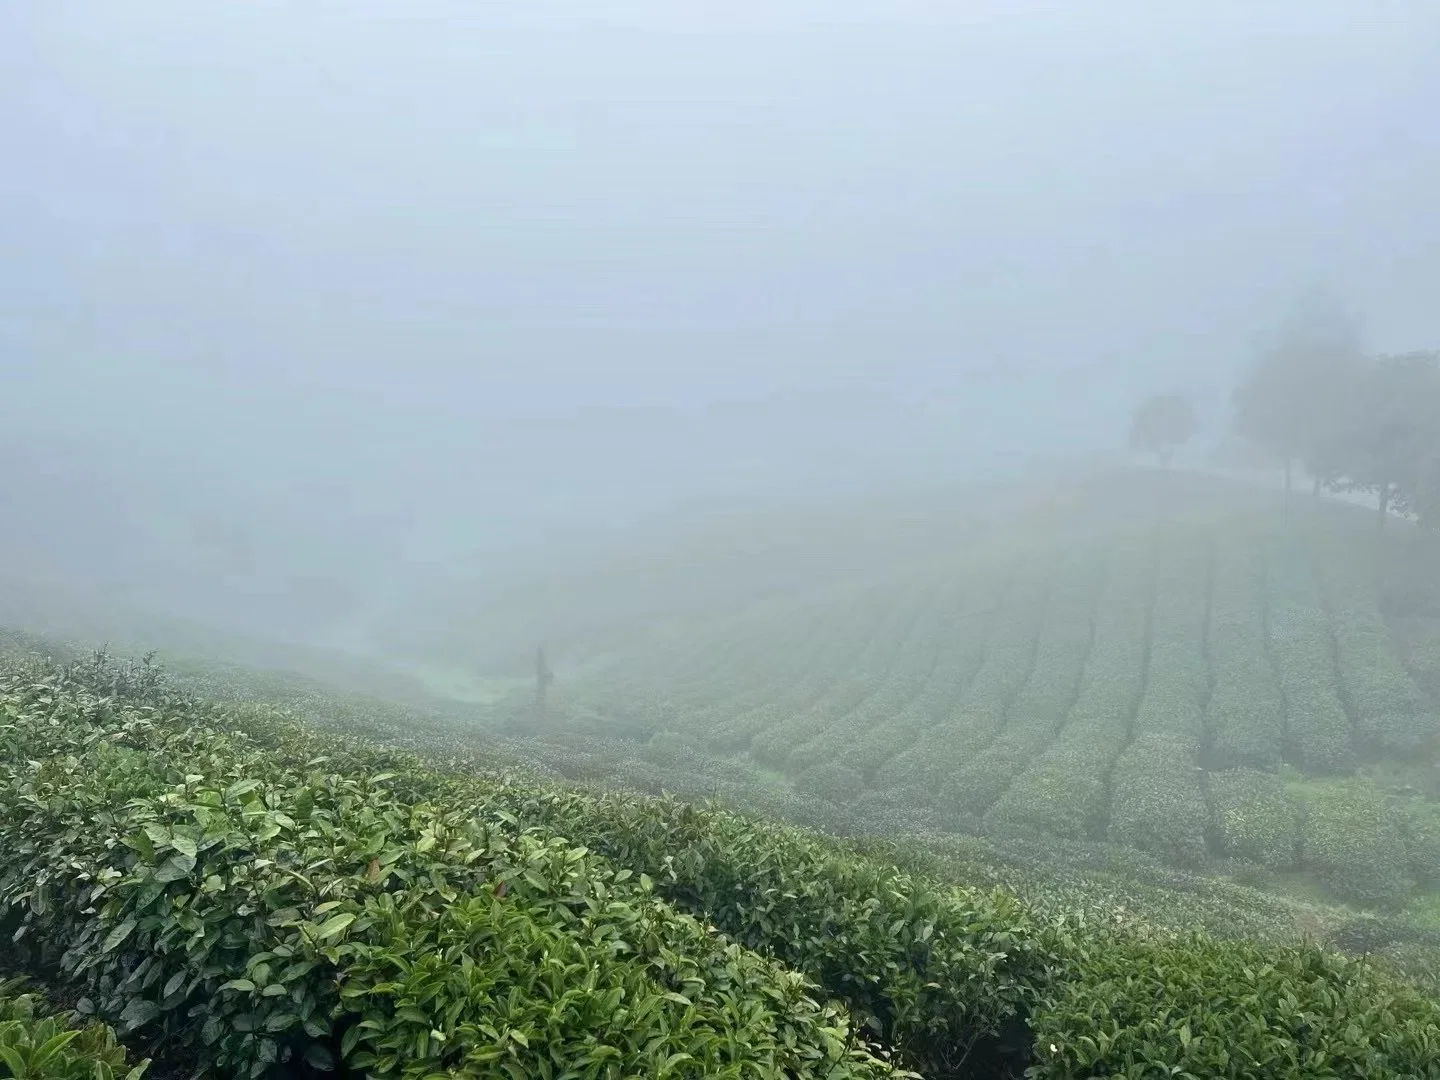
{"x":305,"y":308}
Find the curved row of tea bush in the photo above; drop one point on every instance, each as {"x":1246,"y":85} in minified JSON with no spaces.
{"x":37,"y":1043}
{"x":705,"y":679}
{"x":1253,"y":817}
{"x":1352,"y":841}
{"x":431,"y":892}
{"x":1390,"y":714}
{"x":980,"y":713}
{"x":909,"y":671}
{"x":1318,"y":733}
{"x":1043,"y":702}
{"x":850,"y":690}
{"x":1188,"y":1006}
{"x":1246,"y":712}
{"x":777,"y":655}
{"x":958,"y":658}
{"x":1065,"y":792}
{"x":1364,"y":848}
{"x":849,"y":632}
{"x":1158,"y":802}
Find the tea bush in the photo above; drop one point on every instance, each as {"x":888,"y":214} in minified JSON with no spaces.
{"x":1254,"y":817}
{"x":39,"y":1044}
{"x":909,"y":670}
{"x":1317,"y":729}
{"x":257,"y":911}
{"x":860,"y":679}
{"x":1352,"y":841}
{"x":1420,"y":827}
{"x":833,"y":783}
{"x":1246,"y":711}
{"x":1391,"y":714}
{"x":958,"y":659}
{"x":1158,"y":804}
{"x":1190,"y":1007}
{"x":1064,"y":792}
{"x":1043,"y":702}
{"x":981,"y":711}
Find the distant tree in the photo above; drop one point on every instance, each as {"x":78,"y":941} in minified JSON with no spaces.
{"x":1387,"y":442}
{"x":1292,"y":399}
{"x":1161,"y":424}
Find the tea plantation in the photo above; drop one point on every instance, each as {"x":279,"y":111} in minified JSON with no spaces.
{"x":1149,"y":794}
{"x":1220,"y":688}
{"x":239,"y":891}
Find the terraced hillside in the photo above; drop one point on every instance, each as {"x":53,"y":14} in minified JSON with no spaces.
{"x":1210,"y":679}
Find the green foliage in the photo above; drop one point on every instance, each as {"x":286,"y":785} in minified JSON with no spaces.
{"x":38,"y":1045}
{"x":959,"y":652}
{"x":1246,"y":711}
{"x":1189,"y":1007}
{"x":1159,"y":805}
{"x":1065,"y":791}
{"x":264,"y":894}
{"x":1317,"y":729}
{"x":1386,"y":439}
{"x":1293,"y":398}
{"x":1420,"y":828}
{"x":257,"y":909}
{"x":957,"y":694}
{"x":833,"y":783}
{"x":1390,"y":713}
{"x":887,"y":632}
{"x":1043,"y":702}
{"x":1352,"y":841}
{"x":1254,"y":817}
{"x":979,"y":714}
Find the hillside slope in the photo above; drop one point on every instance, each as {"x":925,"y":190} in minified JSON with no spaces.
{"x":241,"y":892}
{"x":1199,"y":675}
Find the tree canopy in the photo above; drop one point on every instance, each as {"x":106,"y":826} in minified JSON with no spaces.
{"x":1292,"y":399}
{"x":1356,"y":422}
{"x":1163,"y":423}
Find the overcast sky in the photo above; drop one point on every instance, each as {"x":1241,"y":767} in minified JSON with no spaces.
{"x":379,"y":279}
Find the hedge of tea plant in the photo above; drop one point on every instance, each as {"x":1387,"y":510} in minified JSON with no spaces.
{"x":39,"y":1043}
{"x":1064,"y":792}
{"x":1254,"y":817}
{"x":1352,"y":839}
{"x":907,"y":674}
{"x":1318,"y":731}
{"x":834,"y":648}
{"x":1188,"y":1006}
{"x":1042,"y":704}
{"x":1158,"y":803}
{"x":1420,"y":826}
{"x":979,"y":714}
{"x":1246,"y":711}
{"x":958,"y":658}
{"x":256,"y":910}
{"x":847,"y":686}
{"x":1390,"y":713}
